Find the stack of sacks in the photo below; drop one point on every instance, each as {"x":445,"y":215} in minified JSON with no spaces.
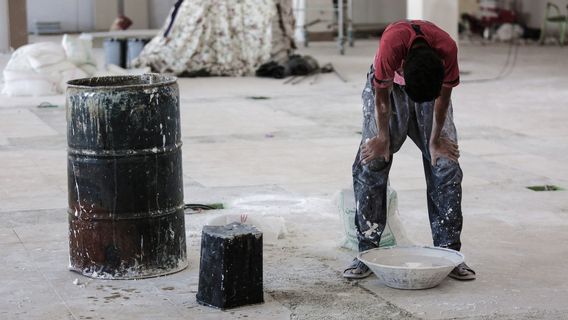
{"x":44,"y":68}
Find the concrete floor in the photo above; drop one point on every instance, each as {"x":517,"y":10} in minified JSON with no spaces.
{"x":286,"y":157}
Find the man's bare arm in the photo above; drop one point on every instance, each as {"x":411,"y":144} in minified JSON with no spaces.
{"x":441,"y":146}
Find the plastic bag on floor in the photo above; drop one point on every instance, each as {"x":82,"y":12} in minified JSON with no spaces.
{"x":508,"y":31}
{"x":394,"y":233}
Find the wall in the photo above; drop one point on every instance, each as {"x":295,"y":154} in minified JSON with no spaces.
{"x":79,"y":15}
{"x":532,"y":11}
{"x":535,"y":10}
{"x":137,"y":10}
{"x":106,"y":11}
{"x":18,"y":23}
{"x":443,"y":13}
{"x":318,"y":9}
{"x":378,"y":11}
{"x":159,"y":11}
{"x":369,"y":12}
{"x":468,"y":6}
{"x":104,"y":14}
{"x":4,"y":27}
{"x":74,"y":15}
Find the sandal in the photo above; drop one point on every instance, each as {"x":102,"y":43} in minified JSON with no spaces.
{"x":357,"y":270}
{"x":462,"y":272}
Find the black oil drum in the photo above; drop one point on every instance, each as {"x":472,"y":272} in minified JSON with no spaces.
{"x":125,"y":181}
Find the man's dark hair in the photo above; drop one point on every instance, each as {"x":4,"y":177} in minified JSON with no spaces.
{"x":423,"y":74}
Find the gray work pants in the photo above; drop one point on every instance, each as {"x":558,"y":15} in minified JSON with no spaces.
{"x":370,"y":181}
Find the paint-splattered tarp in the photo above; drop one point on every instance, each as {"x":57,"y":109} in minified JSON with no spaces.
{"x":283,"y":24}
{"x":217,"y":37}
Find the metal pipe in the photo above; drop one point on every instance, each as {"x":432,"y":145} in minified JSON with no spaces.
{"x":350,"y":22}
{"x":340,"y":24}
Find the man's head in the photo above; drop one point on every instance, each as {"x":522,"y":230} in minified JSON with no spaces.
{"x":423,"y":73}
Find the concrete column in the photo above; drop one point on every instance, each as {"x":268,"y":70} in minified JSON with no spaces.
{"x":444,"y":13}
{"x":300,"y":15}
{"x":4,"y":27}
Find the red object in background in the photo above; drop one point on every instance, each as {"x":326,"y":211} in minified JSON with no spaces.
{"x":122,"y":22}
{"x":502,"y":16}
{"x":506,"y":16}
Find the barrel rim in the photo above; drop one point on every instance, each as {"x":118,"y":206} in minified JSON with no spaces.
{"x":84,"y":83}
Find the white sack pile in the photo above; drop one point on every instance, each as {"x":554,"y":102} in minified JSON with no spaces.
{"x":213,"y":37}
{"x":42,"y":69}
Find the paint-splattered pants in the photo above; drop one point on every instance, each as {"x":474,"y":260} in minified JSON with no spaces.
{"x":370,"y":181}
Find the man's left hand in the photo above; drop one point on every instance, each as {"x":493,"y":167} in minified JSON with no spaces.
{"x":443,"y":147}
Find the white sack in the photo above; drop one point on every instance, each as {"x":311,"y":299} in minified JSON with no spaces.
{"x":42,"y":69}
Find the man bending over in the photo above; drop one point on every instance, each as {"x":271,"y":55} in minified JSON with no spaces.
{"x":408,"y":93}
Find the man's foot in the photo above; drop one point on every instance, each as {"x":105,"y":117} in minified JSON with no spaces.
{"x":357,"y":270}
{"x":463,"y":272}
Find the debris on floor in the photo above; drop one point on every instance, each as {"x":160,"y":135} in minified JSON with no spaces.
{"x":198,"y":207}
{"x":258,"y":98}
{"x":45,"y":104}
{"x":545,"y":188}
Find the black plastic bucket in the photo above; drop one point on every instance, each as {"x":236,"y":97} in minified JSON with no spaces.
{"x":125,"y":181}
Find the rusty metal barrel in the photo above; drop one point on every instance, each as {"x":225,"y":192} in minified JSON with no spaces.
{"x":125,"y":182}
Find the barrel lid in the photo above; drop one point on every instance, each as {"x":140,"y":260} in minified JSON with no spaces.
{"x":147,"y":80}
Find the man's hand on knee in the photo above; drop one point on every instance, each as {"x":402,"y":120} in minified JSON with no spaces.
{"x":443,"y":147}
{"x":376,"y":148}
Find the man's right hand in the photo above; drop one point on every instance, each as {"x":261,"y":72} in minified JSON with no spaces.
{"x":375,"y":148}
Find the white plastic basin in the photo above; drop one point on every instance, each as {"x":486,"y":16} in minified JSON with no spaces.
{"x":412,"y":267}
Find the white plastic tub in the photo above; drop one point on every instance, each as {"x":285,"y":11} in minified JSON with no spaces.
{"x":412,"y":267}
